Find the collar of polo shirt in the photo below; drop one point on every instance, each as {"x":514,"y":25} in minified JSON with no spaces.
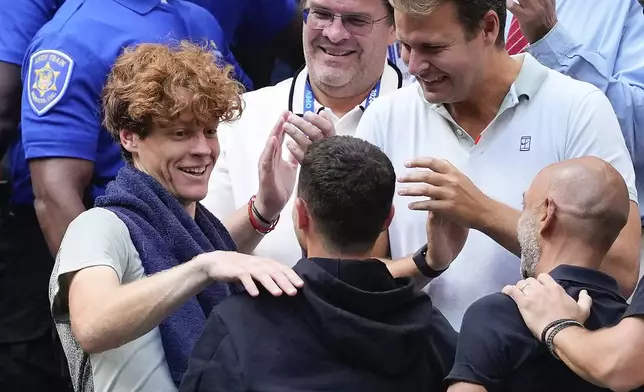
{"x":141,"y":6}
{"x":586,"y":276}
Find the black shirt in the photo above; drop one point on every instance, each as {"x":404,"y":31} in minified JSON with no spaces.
{"x":497,"y":350}
{"x":352,"y":327}
{"x":637,"y":302}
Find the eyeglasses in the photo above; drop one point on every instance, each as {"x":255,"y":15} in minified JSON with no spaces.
{"x":356,"y":24}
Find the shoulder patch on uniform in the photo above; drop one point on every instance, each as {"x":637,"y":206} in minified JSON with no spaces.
{"x":48,"y":77}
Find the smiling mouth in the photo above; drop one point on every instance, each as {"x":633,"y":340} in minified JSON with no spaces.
{"x":337,"y":52}
{"x":435,"y":80}
{"x":194,"y":171}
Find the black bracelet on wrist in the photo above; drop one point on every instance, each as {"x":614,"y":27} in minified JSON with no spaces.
{"x":555,"y":330}
{"x":259,"y":216}
{"x":547,"y":328}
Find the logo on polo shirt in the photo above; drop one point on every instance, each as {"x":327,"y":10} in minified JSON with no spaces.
{"x":525,"y":143}
{"x":49,"y":74}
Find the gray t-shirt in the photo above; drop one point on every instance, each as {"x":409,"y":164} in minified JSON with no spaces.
{"x":98,"y":237}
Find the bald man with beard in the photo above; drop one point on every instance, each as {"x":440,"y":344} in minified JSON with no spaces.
{"x":572,"y":214}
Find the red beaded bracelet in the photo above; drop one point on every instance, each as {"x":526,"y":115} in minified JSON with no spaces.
{"x":254,"y":221}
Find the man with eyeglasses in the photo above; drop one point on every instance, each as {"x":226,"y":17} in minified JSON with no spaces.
{"x":345,"y":47}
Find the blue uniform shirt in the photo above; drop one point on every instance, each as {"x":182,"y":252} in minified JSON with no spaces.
{"x":66,"y":67}
{"x":19,"y":22}
{"x":251,"y":22}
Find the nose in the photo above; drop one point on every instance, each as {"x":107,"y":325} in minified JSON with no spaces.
{"x":336,"y":32}
{"x":416,"y":63}
{"x":201,"y":145}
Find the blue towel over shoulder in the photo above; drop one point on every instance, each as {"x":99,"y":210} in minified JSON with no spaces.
{"x":166,"y":236}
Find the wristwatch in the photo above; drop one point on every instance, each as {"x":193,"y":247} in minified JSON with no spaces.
{"x":421,"y":263}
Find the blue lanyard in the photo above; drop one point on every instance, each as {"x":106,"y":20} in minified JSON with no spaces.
{"x":309,"y":99}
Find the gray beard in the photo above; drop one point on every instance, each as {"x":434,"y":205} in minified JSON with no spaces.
{"x":529,"y":243}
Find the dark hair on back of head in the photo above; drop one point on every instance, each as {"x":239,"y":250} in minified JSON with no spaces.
{"x":348,"y":186}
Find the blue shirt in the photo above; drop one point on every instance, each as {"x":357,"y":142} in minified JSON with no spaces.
{"x":66,"y":67}
{"x":19,"y":22}
{"x":602,"y":42}
{"x":251,"y":22}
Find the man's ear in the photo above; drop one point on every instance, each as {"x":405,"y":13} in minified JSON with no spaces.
{"x":129,"y":140}
{"x":490,"y":27}
{"x":302,"y":217}
{"x":390,"y":217}
{"x":547,"y":215}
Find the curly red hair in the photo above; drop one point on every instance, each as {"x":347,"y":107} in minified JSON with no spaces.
{"x":148,"y":84}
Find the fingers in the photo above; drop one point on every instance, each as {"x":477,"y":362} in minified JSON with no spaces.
{"x":426,"y":190}
{"x":438,"y":165}
{"x":426,"y":176}
{"x":268,"y":156}
{"x":322,"y":121}
{"x":294,"y":278}
{"x":297,"y":136}
{"x":430,"y":205}
{"x":278,"y":279}
{"x":274,"y":140}
{"x":269,"y":284}
{"x":547,"y":280}
{"x":249,"y":284}
{"x":514,"y":293}
{"x":296,"y":151}
{"x":585,"y":302}
{"x":309,"y":130}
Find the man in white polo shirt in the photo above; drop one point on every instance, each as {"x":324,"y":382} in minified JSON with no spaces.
{"x":473,"y":133}
{"x":345,"y":47}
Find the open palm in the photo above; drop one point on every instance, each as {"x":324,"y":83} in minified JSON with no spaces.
{"x":276,"y":175}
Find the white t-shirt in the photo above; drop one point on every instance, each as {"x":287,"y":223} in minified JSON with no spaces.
{"x":235,"y":177}
{"x":97,"y":237}
{"x":546,"y":118}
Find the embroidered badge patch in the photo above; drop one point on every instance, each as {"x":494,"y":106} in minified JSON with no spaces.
{"x":48,"y":78}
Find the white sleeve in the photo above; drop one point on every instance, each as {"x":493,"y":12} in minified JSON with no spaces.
{"x":97,"y":237}
{"x":220,"y":200}
{"x":594,"y":131}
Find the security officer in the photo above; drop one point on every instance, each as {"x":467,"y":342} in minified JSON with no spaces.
{"x":64,"y":158}
{"x":29,"y":357}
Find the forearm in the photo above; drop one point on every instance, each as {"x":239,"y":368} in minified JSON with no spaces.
{"x":242,"y":231}
{"x":499,"y":222}
{"x":54,"y":216}
{"x":619,"y":365}
{"x":406,"y":268}
{"x":134,"y":309}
